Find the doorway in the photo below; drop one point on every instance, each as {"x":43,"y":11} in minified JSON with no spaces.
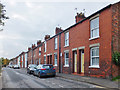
{"x":82,"y":61}
{"x":74,"y":61}
{"x":49,"y":59}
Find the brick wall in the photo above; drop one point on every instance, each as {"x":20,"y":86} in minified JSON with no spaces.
{"x":115,"y":35}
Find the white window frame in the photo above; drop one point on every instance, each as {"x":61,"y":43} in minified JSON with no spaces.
{"x":44,"y":59}
{"x":22,"y":61}
{"x":55,"y":59}
{"x":93,"y":29}
{"x":66,"y":39}
{"x":25,"y":60}
{"x":66,"y":59}
{"x":45,"y":46}
{"x":91,"y":58}
{"x":39,"y":60}
{"x":39,"y":51}
{"x":56,"y":40}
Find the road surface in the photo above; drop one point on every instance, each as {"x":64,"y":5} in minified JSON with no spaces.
{"x":18,"y":78}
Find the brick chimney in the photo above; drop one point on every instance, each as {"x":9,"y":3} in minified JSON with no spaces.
{"x":38,"y":42}
{"x":29,"y":48}
{"x":58,"y":30}
{"x":33,"y":46}
{"x":79,"y":17}
{"x":47,"y":37}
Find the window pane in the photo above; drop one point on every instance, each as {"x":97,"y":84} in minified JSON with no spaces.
{"x":67,"y":42}
{"x":67,"y":35}
{"x":67,"y":55}
{"x":92,"y":33}
{"x":93,"y":61}
{"x":93,"y":52}
{"x":95,"y":56}
{"x":96,"y":20}
{"x":91,"y":24}
{"x":67,"y":63}
{"x":97,"y":61}
{"x":94,"y":27}
{"x":97,"y":30}
{"x":97,"y":52}
{"x":66,"y":38}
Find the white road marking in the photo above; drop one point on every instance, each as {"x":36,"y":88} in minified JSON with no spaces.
{"x":53,"y":83}
{"x":99,"y":87}
{"x":17,"y":73}
{"x":42,"y":79}
{"x":60,"y":86}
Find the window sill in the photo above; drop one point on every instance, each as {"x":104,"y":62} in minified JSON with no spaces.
{"x":66,"y":46}
{"x":94,"y":66}
{"x":66,"y":65}
{"x":94,"y":38}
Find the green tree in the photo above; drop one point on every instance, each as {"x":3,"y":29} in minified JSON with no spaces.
{"x":2,"y":15}
{"x":0,"y":64}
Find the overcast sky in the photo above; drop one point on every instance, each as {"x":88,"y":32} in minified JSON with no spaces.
{"x":31,"y":20}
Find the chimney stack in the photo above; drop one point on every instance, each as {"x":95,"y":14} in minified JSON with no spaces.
{"x":79,"y":17}
{"x":38,"y":42}
{"x":47,"y":37}
{"x":29,"y":48}
{"x":33,"y":46}
{"x":58,"y":30}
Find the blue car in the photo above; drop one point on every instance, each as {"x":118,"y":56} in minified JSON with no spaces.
{"x":45,"y":70}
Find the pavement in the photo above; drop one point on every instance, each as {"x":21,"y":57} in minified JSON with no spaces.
{"x":103,"y":83}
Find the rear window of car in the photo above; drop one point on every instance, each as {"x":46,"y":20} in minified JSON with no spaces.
{"x":47,"y":66}
{"x":32,"y":66}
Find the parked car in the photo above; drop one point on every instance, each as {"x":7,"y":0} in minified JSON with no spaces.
{"x":31,"y":68}
{"x":45,"y":70}
{"x":16,"y":67}
{"x":10,"y":66}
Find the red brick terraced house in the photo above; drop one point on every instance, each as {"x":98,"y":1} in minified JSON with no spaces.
{"x":84,"y":48}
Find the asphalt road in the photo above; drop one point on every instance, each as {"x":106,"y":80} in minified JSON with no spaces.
{"x":18,"y":78}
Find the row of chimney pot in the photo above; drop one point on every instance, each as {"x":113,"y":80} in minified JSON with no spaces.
{"x":78,"y":17}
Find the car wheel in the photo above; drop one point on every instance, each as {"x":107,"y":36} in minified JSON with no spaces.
{"x":39,"y":75}
{"x":30,"y":72}
{"x":34,"y":73}
{"x":54,"y":75}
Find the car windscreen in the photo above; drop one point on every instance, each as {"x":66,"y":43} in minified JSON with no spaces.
{"x":47,"y":66}
{"x":32,"y":66}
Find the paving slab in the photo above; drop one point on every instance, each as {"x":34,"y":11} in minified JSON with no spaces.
{"x":92,"y":80}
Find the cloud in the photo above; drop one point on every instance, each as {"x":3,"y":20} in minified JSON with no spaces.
{"x":60,"y":0}
{"x":28,"y":4}
{"x":20,"y":17}
{"x":31,"y":21}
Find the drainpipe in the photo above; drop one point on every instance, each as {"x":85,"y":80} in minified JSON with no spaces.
{"x":32,"y":56}
{"x":60,"y":56}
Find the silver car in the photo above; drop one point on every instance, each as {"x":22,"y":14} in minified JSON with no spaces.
{"x":31,"y":68}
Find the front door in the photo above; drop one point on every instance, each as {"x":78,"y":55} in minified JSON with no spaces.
{"x":50,"y":59}
{"x":82,"y":61}
{"x":75,"y":62}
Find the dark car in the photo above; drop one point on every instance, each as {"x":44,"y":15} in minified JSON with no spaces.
{"x":31,"y":68}
{"x":45,"y":70}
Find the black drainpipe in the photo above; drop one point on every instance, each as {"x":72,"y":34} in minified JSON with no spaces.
{"x":60,"y":61}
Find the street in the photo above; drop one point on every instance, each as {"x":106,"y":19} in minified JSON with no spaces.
{"x":18,"y":78}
